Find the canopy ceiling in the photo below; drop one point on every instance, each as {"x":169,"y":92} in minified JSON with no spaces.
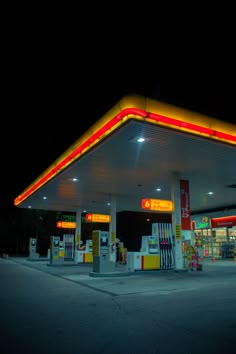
{"x":109,"y":162}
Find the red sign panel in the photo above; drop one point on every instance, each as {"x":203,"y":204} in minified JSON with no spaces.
{"x":193,"y":225}
{"x":185,"y":205}
{"x":226,"y":221}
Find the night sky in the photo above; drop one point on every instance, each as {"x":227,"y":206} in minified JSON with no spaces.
{"x":51,"y":99}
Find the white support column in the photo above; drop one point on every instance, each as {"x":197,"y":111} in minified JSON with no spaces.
{"x":112,"y":231}
{"x":176,"y":221}
{"x":77,"y":233}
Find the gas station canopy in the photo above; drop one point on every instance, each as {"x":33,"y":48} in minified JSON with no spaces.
{"x":131,"y":154}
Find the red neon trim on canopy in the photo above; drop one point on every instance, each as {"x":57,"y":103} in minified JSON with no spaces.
{"x":181,"y":124}
{"x":225,"y":136}
{"x":110,"y":126}
{"x":99,"y":133}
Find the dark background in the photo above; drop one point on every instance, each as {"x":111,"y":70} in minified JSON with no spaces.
{"x":57,"y":80}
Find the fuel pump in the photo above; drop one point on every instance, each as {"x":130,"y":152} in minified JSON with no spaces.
{"x":164,"y":232}
{"x":101,"y":252}
{"x":33,"y":248}
{"x":57,"y":250}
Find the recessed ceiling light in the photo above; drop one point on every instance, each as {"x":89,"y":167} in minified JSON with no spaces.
{"x":75,"y":179}
{"x":158,"y":189}
{"x":210,"y":193}
{"x":140,"y":140}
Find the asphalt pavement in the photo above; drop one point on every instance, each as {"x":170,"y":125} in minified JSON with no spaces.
{"x":123,"y":281}
{"x":63,"y":309}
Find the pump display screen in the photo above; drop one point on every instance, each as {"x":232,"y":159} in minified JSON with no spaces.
{"x":56,"y":243}
{"x":103,"y":241}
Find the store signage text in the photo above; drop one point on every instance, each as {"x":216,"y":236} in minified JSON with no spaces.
{"x":201,"y":225}
{"x":226,"y":221}
{"x":66,"y":224}
{"x":97,"y":218}
{"x":185,"y":205}
{"x":157,"y":204}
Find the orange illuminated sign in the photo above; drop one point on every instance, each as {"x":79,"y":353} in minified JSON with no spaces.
{"x":97,"y":218}
{"x":157,"y":204}
{"x":66,"y":224}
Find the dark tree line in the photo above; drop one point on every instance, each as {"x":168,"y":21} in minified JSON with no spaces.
{"x":19,"y":225}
